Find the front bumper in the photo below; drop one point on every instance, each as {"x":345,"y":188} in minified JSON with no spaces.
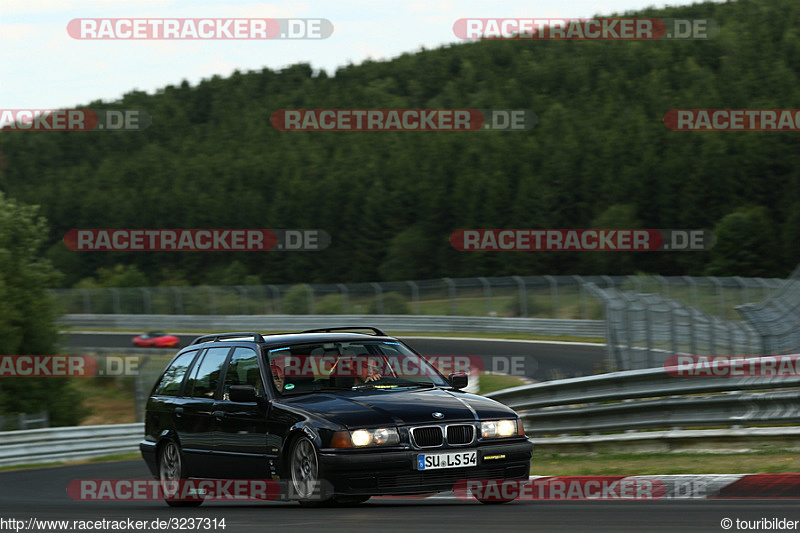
{"x":393,"y":472}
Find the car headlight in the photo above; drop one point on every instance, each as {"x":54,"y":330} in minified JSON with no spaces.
{"x":360,"y":438}
{"x":499,"y":428}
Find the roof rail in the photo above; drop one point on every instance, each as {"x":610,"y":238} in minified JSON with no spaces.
{"x":340,"y":328}
{"x":257,"y":337}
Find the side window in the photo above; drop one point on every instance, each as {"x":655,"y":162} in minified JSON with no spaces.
{"x":242,"y":370}
{"x":171,"y":381}
{"x":205,"y":378}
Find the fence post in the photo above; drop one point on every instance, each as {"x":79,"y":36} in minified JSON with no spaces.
{"x":665,"y":284}
{"x":276,"y":298}
{"x":345,"y":300}
{"x":693,"y":286}
{"x":115,"y":300}
{"x":378,"y":297}
{"x":582,"y":291}
{"x":487,"y":291}
{"x":245,"y":299}
{"x":673,"y":326}
{"x":721,"y":302}
{"x":146,"y":301}
{"x":553,"y":293}
{"x":178,"y":300}
{"x":87,"y":302}
{"x":414,"y":295}
{"x":310,"y":292}
{"x":764,"y":287}
{"x":523,"y":299}
{"x":139,"y":393}
{"x":212,"y":301}
{"x":637,"y":283}
{"x":451,"y":293}
{"x":745,"y":293}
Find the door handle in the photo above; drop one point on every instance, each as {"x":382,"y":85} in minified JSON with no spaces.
{"x":179,"y":411}
{"x":219,"y":415}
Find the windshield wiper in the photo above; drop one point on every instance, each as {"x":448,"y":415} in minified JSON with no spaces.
{"x":370,"y":386}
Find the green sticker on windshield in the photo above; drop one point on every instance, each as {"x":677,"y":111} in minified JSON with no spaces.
{"x":288,"y":386}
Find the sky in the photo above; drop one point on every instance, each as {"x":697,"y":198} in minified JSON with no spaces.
{"x":43,"y":67}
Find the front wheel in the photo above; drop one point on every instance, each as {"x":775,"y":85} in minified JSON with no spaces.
{"x":171,"y":472}
{"x":304,"y":471}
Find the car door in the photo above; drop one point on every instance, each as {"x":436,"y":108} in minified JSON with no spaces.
{"x":194,"y":412}
{"x":241,"y":440}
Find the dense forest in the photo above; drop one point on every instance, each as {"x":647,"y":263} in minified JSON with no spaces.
{"x":600,"y":156}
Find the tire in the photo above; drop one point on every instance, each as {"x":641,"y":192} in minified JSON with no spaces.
{"x":304,"y":473}
{"x":170,"y":468}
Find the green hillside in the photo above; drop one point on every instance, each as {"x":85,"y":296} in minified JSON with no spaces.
{"x":600,"y":156}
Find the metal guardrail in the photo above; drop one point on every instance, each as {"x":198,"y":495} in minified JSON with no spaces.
{"x":642,"y":399}
{"x":36,"y":446}
{"x":651,"y":399}
{"x":540,"y":326}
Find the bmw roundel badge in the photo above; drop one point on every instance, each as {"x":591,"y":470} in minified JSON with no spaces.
{"x":438,"y":415}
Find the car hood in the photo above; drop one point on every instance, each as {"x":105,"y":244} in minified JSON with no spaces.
{"x":407,"y":407}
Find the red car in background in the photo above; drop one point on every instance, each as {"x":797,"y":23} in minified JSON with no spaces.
{"x":156,"y":339}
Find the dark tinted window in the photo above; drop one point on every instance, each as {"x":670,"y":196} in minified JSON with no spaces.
{"x":242,"y":370}
{"x":171,"y":381}
{"x":205,"y":377}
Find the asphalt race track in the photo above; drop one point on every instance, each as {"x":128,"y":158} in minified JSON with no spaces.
{"x":41,"y":493}
{"x":538,"y":360}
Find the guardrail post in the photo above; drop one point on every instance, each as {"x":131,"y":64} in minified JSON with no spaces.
{"x":451,"y":293}
{"x":345,"y":300}
{"x":487,"y":291}
{"x":414,"y":296}
{"x":378,"y":297}
{"x":115,"y":300}
{"x":553,"y":293}
{"x":523,"y":298}
{"x":140,"y":396}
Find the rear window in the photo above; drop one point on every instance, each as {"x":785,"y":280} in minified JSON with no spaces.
{"x":172,"y":378}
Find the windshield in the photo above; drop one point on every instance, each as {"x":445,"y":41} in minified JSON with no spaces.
{"x":355,"y":365}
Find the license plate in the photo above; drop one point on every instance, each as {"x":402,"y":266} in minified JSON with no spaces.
{"x":432,"y":461}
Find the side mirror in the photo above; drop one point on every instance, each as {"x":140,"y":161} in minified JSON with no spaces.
{"x":243,"y":393}
{"x":458,"y":380}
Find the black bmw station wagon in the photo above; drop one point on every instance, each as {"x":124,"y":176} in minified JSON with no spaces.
{"x":362,"y":413}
